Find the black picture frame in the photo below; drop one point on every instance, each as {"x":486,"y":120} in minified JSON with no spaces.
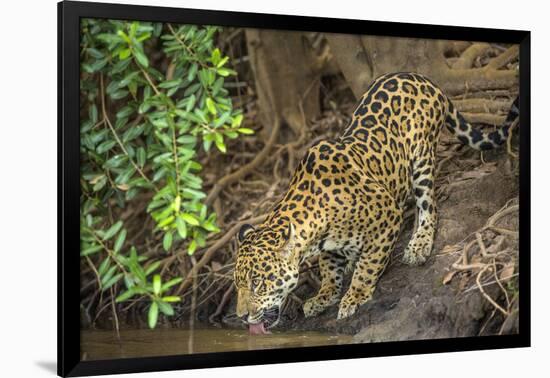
{"x":69,"y":15}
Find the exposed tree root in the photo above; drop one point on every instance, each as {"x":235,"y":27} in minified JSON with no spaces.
{"x":468,"y":56}
{"x":245,"y":169}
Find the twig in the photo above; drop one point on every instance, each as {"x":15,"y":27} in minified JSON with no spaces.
{"x":509,"y":139}
{"x":115,"y":316}
{"x":115,"y":135}
{"x":473,"y":287}
{"x":194,"y":296}
{"x":487,"y":296}
{"x":94,"y":270}
{"x":481,"y":245}
{"x":500,"y":285}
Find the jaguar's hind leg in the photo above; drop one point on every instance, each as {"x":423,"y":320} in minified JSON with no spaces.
{"x":420,"y":246}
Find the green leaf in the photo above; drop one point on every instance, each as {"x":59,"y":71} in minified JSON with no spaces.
{"x":218,"y":84}
{"x":100,"y":184}
{"x":151,"y":268}
{"x":124,"y":54}
{"x":119,"y":94}
{"x":120,"y":240}
{"x":124,"y":36}
{"x":141,"y":58}
{"x":192,"y":247}
{"x":216,"y":56}
{"x":177,"y":204}
{"x":190,"y":218}
{"x":169,"y":284}
{"x":244,"y":130}
{"x":112,"y":281}
{"x":206,"y":144}
{"x":222,"y":62}
{"x":211,"y":106}
{"x":171,"y":298}
{"x":194,"y":194}
{"x":167,"y":241}
{"x":237,"y":120}
{"x":166,"y":222}
{"x":93,"y":113}
{"x":95,"y":53}
{"x":153,"y":315}
{"x":210,"y":227}
{"x":141,"y":156}
{"x":170,"y":83}
{"x":125,"y":176}
{"x":181,"y":227}
{"x":104,"y":266}
{"x":91,"y":250}
{"x":128,"y":79}
{"x":223,"y":72}
{"x":97,"y":65}
{"x":166,"y":308}
{"x":156,"y":284}
{"x":231,"y":134}
{"x":125,"y":112}
{"x":107,"y":277}
{"x":115,"y":161}
{"x":221,"y":145}
{"x":125,"y":296}
{"x":192,"y":72}
{"x":112,"y":230}
{"x":133,"y":28}
{"x":191,"y":102}
{"x":105,"y":146}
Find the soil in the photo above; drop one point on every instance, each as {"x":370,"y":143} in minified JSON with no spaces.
{"x":413,"y":302}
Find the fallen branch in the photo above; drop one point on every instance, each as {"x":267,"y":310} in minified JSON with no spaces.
{"x":481,"y":105}
{"x":485,"y":118}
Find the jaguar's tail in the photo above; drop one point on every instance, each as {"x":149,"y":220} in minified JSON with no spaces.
{"x":475,"y":138}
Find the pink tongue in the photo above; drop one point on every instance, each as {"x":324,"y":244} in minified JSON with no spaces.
{"x":258,"y":329}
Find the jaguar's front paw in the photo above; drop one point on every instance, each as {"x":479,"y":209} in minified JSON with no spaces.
{"x":345,"y":310}
{"x":312,"y":307}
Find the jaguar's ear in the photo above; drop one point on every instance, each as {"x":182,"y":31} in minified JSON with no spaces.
{"x":245,"y":230}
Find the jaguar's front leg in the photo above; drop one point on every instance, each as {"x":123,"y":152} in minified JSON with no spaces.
{"x":371,"y":265}
{"x":331,"y":267}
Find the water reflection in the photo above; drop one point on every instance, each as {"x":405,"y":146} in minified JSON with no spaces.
{"x":163,"y":342}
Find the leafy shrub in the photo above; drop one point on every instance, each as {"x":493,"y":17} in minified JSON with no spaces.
{"x":152,"y":95}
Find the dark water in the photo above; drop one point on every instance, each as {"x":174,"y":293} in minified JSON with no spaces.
{"x":164,"y":342}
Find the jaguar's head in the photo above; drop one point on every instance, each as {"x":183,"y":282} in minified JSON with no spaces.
{"x":266,"y":271}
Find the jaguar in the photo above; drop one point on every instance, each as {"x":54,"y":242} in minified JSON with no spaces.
{"x":346,"y":199}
